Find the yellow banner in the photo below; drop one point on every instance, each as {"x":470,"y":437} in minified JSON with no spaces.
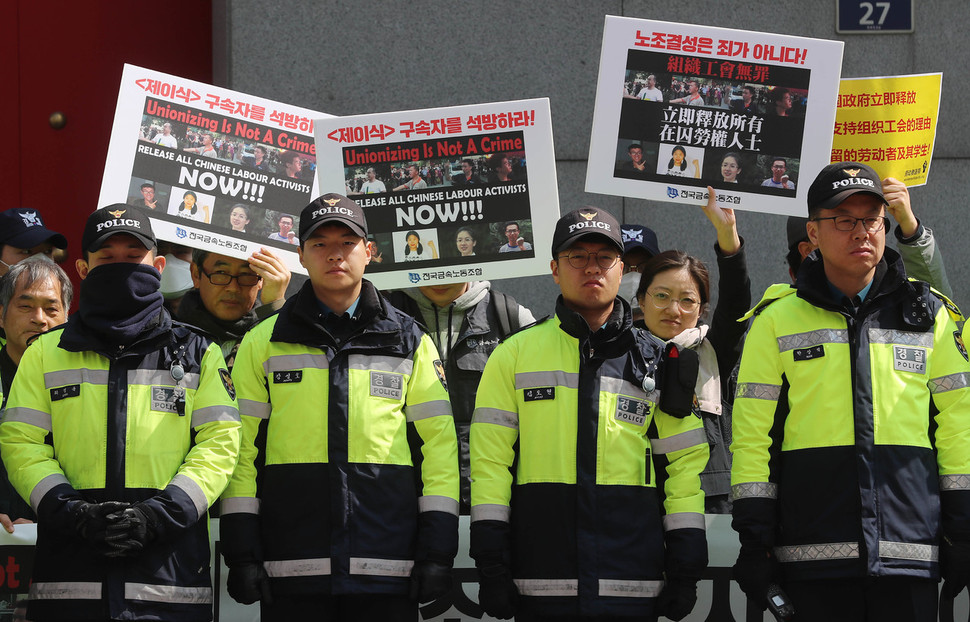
{"x":889,"y":123}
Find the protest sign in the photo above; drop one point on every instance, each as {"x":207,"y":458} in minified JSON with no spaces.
{"x":889,"y":123}
{"x":447,"y":192}
{"x":215,"y":169}
{"x":681,"y":107}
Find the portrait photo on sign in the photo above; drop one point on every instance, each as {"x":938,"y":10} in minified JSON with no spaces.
{"x":190,"y":204}
{"x":415,"y":245}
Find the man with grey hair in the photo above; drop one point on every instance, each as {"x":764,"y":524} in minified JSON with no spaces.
{"x":35,"y":295}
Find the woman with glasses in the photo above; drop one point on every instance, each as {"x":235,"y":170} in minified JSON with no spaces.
{"x":673,"y":294}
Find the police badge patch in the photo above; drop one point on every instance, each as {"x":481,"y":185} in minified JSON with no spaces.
{"x":439,"y":368}
{"x":227,"y":382}
{"x":958,"y":338}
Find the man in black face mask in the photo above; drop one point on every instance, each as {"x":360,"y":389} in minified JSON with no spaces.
{"x":121,"y":429}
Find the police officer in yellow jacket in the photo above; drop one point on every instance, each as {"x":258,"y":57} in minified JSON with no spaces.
{"x":586,"y":498}
{"x":851,"y":472}
{"x":344,"y":505}
{"x":121,"y":429}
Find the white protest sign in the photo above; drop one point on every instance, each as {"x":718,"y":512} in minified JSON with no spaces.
{"x":215,"y":169}
{"x":450,"y":194}
{"x":682,"y":107}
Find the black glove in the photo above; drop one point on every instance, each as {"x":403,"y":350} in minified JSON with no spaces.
{"x":677,"y":598}
{"x":429,"y":581}
{"x":248,"y":583}
{"x":954,"y":566}
{"x":755,"y":570}
{"x":130,"y":531}
{"x":497,"y":593}
{"x":91,"y":522}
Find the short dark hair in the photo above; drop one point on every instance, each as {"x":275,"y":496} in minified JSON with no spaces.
{"x":777,"y":94}
{"x":282,"y":216}
{"x":783,"y":161}
{"x":634,"y":146}
{"x":511,"y":222}
{"x":148,"y":184}
{"x":199,"y":256}
{"x":794,"y":259}
{"x":288,"y":156}
{"x":495,"y":160}
{"x":674,"y":260}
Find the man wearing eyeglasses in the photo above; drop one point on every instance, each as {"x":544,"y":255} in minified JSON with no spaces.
{"x":851,"y":444}
{"x":223,"y":302}
{"x":779,"y":176}
{"x":568,"y":519}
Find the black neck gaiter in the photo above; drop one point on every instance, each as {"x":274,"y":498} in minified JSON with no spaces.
{"x":121,"y":300}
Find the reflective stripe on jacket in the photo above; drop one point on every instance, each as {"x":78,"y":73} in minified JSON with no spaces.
{"x":81,"y":423}
{"x":349,"y":471}
{"x":851,"y":444}
{"x":563,"y":485}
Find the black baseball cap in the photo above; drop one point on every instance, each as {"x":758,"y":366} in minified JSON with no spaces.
{"x":332,"y":207}
{"x":22,"y":227}
{"x":638,"y":236}
{"x":583,"y":222}
{"x":118,"y":218}
{"x":837,"y":182}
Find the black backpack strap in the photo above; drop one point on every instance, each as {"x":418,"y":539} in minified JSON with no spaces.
{"x":507,"y":312}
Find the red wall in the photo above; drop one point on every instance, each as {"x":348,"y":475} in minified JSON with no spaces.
{"x":67,"y":56}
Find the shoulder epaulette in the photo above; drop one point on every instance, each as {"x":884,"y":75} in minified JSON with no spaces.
{"x":773,"y":293}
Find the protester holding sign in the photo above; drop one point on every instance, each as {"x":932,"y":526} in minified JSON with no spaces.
{"x":673,"y":294}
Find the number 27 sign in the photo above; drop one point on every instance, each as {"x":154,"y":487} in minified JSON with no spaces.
{"x":874,"y":17}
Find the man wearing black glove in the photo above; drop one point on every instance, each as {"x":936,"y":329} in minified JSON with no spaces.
{"x":91,"y":521}
{"x":429,"y":581}
{"x":130,"y":530}
{"x":851,"y":444}
{"x":497,"y":593}
{"x":248,"y":583}
{"x":567,"y":446}
{"x":755,"y":570}
{"x":121,"y":429}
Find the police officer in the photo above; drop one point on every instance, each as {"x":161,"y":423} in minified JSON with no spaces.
{"x":851,"y":445}
{"x":349,"y":434}
{"x":22,"y":234}
{"x":121,"y":429}
{"x":568,"y":519}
